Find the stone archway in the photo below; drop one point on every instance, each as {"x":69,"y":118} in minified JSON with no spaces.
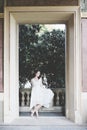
{"x":67,"y":15}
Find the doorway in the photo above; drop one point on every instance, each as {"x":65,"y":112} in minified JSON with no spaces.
{"x":42,"y":46}
{"x":19,"y":15}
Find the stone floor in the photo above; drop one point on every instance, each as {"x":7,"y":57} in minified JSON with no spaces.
{"x":43,"y":128}
{"x":42,"y":123}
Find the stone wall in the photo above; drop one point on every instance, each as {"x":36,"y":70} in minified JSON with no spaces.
{"x":1,"y":57}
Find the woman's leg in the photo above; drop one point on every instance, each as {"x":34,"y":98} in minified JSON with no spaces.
{"x":32,"y":111}
{"x":37,"y":107}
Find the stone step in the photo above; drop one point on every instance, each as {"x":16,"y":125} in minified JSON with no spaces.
{"x":42,"y":114}
{"x":51,"y":109}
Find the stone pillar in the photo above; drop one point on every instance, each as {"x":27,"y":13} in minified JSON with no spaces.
{"x":1,"y":42}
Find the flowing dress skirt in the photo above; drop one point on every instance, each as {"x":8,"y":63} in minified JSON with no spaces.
{"x":41,"y":95}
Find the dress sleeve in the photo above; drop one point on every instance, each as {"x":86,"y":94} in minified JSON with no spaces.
{"x":27,"y":85}
{"x":31,"y":82}
{"x":43,"y":86}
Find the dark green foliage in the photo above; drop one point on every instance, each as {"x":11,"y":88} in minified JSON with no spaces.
{"x":46,"y":52}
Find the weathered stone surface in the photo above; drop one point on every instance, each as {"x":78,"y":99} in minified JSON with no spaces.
{"x":42,"y":2}
{"x":84,"y":54}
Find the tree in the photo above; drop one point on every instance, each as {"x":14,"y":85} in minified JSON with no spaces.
{"x":53,"y":56}
{"x":27,"y":39}
{"x":46,"y":51}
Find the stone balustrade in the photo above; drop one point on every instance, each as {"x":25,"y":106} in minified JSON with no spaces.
{"x":58,"y":100}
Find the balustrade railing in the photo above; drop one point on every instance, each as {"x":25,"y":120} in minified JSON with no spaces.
{"x":58,"y":100}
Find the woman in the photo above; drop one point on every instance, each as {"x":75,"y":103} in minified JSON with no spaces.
{"x":40,"y":96}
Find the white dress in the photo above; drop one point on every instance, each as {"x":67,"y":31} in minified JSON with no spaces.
{"x":40,"y":94}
